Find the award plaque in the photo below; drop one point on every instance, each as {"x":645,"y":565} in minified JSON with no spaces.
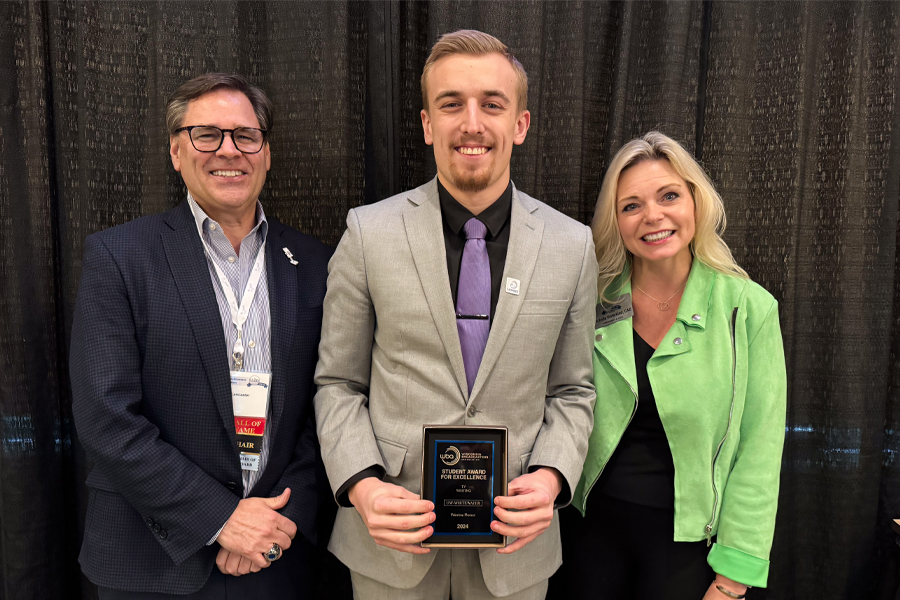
{"x":463,"y":470}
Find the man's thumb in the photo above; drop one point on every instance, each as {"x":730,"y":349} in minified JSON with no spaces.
{"x":279,"y":501}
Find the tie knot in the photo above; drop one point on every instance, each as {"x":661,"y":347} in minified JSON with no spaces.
{"x":475,"y":229}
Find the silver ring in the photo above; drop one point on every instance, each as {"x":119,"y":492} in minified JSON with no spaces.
{"x":274,"y":553}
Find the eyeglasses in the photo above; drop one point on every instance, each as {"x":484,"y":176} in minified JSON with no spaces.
{"x":207,"y":138}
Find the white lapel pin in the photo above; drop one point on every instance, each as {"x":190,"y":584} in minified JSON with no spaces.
{"x":512,"y":286}
{"x":290,"y":256}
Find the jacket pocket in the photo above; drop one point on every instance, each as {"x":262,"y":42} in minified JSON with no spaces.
{"x":98,"y":481}
{"x":524,"y":459}
{"x":393,"y":455}
{"x":91,"y":509}
{"x":544,"y":307}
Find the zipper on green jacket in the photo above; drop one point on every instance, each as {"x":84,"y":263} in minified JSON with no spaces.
{"x":712,"y":517}
{"x":630,"y":419}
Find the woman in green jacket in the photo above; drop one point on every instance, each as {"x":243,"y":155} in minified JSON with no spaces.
{"x":680,"y":485}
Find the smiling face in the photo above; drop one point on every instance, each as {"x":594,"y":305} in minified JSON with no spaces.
{"x":655,"y":212}
{"x":225,"y":182}
{"x":473,"y":122}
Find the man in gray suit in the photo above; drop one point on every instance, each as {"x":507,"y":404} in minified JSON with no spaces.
{"x":462,"y":302}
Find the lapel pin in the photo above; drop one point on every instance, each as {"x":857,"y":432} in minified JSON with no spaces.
{"x":512,"y":286}
{"x":289,"y":255}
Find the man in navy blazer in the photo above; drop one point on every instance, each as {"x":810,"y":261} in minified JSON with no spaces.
{"x":170,"y":307}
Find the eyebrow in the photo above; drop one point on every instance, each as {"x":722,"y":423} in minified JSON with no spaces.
{"x":457,"y":94}
{"x":496,"y":93}
{"x":668,"y":185}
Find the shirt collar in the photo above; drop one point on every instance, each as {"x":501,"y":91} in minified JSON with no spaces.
{"x":200,"y":218}
{"x":493,"y":217}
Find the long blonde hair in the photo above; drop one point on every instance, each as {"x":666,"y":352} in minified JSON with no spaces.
{"x":709,"y":211}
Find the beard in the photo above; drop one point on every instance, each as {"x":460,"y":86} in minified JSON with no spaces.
{"x":471,"y":181}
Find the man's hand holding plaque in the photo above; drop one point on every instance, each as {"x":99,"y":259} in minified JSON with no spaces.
{"x":395,"y":517}
{"x":528,"y":509}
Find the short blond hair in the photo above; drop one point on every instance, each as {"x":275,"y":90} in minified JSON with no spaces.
{"x":475,"y":43}
{"x":709,"y":211}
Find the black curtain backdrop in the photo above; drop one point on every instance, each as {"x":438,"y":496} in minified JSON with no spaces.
{"x":791,"y":107}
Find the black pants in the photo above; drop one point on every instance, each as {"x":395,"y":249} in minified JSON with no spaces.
{"x":292,"y":577}
{"x":624,"y":550}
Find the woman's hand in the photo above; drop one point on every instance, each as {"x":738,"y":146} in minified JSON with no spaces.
{"x":712,"y":593}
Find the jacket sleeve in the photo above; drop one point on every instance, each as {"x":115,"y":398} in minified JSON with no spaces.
{"x":300,"y":476}
{"x":569,"y":412}
{"x":303,"y":474}
{"x":750,"y":499}
{"x":345,"y":359}
{"x":168,"y":490}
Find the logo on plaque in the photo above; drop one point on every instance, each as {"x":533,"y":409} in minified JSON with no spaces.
{"x":450,"y":456}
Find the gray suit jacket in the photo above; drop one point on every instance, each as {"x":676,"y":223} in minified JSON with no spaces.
{"x":390,"y":362}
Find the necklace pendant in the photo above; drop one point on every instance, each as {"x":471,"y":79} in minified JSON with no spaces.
{"x":662,"y":305}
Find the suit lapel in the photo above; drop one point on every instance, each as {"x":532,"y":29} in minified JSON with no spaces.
{"x":283,"y":304}
{"x":526,"y":231}
{"x":425,"y":233}
{"x":187,"y":262}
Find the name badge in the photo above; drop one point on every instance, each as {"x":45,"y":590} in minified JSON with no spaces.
{"x":512,"y":286}
{"x":250,"y":399}
{"x":607,"y":314}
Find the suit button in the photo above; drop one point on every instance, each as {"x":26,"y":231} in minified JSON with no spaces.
{"x":471,"y":412}
{"x":156,"y":528}
{"x":149,"y":522}
{"x":231,"y":485}
{"x":163,"y":534}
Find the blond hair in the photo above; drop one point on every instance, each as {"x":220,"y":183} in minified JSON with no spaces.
{"x":709,"y":211}
{"x":475,"y":43}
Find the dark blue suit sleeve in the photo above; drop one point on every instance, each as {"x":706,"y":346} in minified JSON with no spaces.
{"x":303,"y":472}
{"x":300,"y":476}
{"x":162,"y":484}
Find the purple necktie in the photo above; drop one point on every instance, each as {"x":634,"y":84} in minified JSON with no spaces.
{"x":473,"y":299}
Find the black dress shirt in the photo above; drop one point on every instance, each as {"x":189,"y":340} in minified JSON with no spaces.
{"x":496,"y":218}
{"x":454,"y":216}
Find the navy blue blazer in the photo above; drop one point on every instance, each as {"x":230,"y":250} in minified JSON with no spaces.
{"x":152,"y":399}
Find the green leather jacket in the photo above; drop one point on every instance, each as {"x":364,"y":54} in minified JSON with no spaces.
{"x":719,"y":381}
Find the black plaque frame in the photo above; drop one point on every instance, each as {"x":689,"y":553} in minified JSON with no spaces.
{"x":480,"y":536}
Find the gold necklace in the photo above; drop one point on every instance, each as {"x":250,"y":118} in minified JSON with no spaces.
{"x":660,"y":304}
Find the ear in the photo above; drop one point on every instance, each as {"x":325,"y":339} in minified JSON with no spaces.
{"x":426,"y":126}
{"x":174,"y":148}
{"x":268,"y":156}
{"x":523,"y":122}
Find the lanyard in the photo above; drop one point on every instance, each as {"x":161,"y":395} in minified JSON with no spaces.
{"x":239,"y":313}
